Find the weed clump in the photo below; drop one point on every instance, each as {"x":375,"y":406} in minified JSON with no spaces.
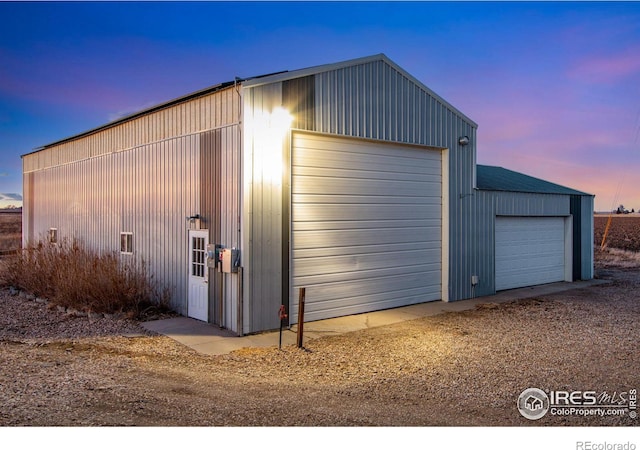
{"x":72,"y":275}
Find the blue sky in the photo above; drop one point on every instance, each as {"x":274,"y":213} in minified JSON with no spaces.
{"x":554,"y":87}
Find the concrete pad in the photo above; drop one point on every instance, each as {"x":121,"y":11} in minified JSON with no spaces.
{"x":212,"y":340}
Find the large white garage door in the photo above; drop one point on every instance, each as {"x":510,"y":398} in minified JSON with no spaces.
{"x":529,"y":251}
{"x":366,"y":225}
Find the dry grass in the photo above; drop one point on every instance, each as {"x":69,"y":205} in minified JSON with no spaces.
{"x":615,"y":257}
{"x":70,"y":274}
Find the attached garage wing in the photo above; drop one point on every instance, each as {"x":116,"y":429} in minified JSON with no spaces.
{"x":366,"y":230}
{"x":531,"y":251}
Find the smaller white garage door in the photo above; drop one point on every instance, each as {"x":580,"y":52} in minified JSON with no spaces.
{"x":529,"y":251}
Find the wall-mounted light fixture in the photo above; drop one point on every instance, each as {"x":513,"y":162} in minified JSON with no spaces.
{"x":194,"y":221}
{"x":463,"y":140}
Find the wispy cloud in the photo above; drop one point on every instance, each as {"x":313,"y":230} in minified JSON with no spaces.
{"x":607,"y":69}
{"x":13,"y":197}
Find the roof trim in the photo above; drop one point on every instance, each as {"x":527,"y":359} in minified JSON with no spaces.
{"x":499,"y":179}
{"x":284,"y":76}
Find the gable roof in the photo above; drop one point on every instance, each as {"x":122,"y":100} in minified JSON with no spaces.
{"x":257,"y":81}
{"x":491,"y":178}
{"x":381,"y":57}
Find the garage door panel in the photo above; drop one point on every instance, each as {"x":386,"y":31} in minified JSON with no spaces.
{"x":372,"y":167}
{"x":533,"y":260}
{"x":379,"y":249}
{"x":365,"y":276}
{"x":373,"y":236}
{"x":357,"y":225}
{"x":523,"y":279}
{"x":343,"y":199}
{"x":393,"y":154}
{"x":309,"y":212}
{"x":358,"y":262}
{"x":366,"y":224}
{"x":529,"y":251}
{"x":340,"y":172}
{"x":363,"y":304}
{"x":332,"y":296}
{"x":382,"y":285}
{"x":362,"y":186}
{"x":335,"y":163}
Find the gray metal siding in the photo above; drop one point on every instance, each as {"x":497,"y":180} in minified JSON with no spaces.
{"x":375,"y":101}
{"x":520,"y":204}
{"x":586,"y":243}
{"x":298,"y":97}
{"x":219,"y":209}
{"x":144,"y":176}
{"x":262,"y":228}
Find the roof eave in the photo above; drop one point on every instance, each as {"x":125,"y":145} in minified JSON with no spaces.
{"x":517,"y":191}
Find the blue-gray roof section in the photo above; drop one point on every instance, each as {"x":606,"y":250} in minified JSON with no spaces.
{"x":491,"y":178}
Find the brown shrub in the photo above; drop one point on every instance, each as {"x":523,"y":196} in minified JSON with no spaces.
{"x":72,"y":275}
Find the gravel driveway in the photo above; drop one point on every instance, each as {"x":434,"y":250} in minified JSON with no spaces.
{"x":464,"y":368}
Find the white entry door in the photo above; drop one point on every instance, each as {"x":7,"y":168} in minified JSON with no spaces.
{"x":198,"y":305}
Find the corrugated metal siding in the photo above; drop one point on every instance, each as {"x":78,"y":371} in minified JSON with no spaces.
{"x":220,"y":181}
{"x":27,"y":209}
{"x":147,"y":191}
{"x":298,"y":97}
{"x":262,"y":238}
{"x":376,"y":101}
{"x":145,"y":176}
{"x":582,"y":211}
{"x":576,"y":212}
{"x":210,"y":150}
{"x":211,"y":111}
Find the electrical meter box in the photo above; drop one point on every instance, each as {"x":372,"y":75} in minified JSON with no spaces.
{"x":213,"y":255}
{"x":230,"y":260}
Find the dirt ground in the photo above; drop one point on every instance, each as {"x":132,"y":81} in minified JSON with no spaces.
{"x":460,"y":369}
{"x":623,"y":233}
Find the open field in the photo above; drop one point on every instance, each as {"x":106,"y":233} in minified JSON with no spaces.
{"x":624,"y":231}
{"x":10,"y":230}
